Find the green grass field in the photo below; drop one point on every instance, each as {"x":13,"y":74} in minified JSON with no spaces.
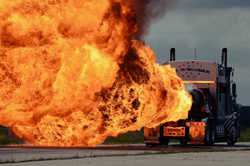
{"x":128,"y":138}
{"x":5,"y":139}
{"x":244,"y":134}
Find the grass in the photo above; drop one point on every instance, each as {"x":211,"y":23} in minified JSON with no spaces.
{"x":127,"y":138}
{"x":6,"y":139}
{"x":244,"y":134}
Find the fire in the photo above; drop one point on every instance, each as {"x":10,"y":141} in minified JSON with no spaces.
{"x":72,"y":73}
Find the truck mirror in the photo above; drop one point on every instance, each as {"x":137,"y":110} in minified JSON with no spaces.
{"x":234,"y":90}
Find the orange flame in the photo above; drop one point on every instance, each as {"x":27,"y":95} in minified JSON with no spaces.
{"x":70,"y":74}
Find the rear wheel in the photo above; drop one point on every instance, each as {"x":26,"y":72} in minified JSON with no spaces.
{"x":209,"y":136}
{"x":150,"y":144}
{"x":164,"y":141}
{"x":231,"y":136}
{"x":183,"y":141}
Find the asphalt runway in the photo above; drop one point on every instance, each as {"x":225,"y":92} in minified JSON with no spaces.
{"x":240,"y":158}
{"x":28,"y":153}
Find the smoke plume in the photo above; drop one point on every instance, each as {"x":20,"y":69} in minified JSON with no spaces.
{"x":149,"y":11}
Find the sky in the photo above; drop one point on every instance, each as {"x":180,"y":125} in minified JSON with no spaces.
{"x":208,"y":26}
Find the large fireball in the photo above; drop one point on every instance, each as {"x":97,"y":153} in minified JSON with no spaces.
{"x":72,"y":73}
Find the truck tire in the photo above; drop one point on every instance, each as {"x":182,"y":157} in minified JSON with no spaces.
{"x":183,"y":142}
{"x":150,"y":144}
{"x":212,"y":137}
{"x":209,"y":136}
{"x":231,"y":136}
{"x":230,"y":131}
{"x":164,"y":141}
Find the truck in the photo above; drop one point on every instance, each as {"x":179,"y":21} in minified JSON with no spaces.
{"x":214,"y":115}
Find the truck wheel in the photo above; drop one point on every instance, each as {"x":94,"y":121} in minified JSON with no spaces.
{"x":209,"y":136}
{"x":212,"y":137}
{"x":231,"y":136}
{"x":164,"y":141}
{"x":183,"y":141}
{"x":150,"y":144}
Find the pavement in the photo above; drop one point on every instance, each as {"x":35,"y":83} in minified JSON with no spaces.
{"x":240,"y":158}
{"x":28,"y":155}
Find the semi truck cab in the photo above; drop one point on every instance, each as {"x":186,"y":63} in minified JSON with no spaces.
{"x":213,"y":116}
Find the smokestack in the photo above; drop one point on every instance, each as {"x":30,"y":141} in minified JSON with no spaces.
{"x":224,"y":57}
{"x":172,"y":54}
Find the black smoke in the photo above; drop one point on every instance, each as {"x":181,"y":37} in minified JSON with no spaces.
{"x":149,"y":11}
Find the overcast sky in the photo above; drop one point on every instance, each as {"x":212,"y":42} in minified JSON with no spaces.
{"x":207,"y":25}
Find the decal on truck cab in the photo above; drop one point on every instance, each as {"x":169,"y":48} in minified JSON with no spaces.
{"x":195,"y":69}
